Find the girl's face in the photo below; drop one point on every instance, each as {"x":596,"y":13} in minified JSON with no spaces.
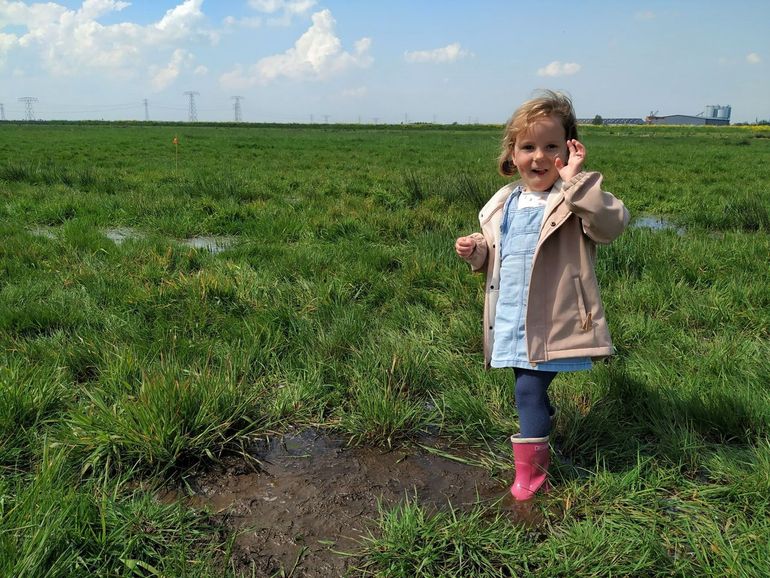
{"x":536,"y":151}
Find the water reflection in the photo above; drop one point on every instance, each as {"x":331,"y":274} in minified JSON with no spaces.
{"x":45,"y":232}
{"x":119,"y":235}
{"x":211,"y":244}
{"x":656,"y":224}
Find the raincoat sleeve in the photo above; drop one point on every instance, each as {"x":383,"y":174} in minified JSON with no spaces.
{"x":604,"y":216}
{"x":478,"y":258}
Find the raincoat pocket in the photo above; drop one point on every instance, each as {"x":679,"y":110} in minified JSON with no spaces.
{"x":585,"y":315}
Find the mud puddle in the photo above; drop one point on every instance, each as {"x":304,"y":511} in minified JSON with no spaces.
{"x":312,"y":497}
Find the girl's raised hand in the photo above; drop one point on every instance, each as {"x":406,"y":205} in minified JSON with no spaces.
{"x":577,"y":156}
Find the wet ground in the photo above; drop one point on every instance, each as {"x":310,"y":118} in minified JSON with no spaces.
{"x":119,"y":235}
{"x":217,"y":244}
{"x":311,"y":498}
{"x":656,"y":224}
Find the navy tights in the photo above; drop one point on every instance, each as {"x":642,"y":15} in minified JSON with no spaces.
{"x":532,"y":401}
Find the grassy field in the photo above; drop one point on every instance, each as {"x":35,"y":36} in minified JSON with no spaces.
{"x":339,"y":303}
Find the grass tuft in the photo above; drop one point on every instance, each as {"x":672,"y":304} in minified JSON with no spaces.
{"x":175,"y":420}
{"x":412,"y":543}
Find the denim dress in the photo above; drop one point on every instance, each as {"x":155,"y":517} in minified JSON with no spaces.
{"x":519,"y":232}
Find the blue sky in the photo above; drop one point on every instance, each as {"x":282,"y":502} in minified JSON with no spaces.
{"x":387,"y":61}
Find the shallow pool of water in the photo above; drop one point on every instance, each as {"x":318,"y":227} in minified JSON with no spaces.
{"x":119,"y":235}
{"x":210,"y":244}
{"x":656,"y":224}
{"x":45,"y":232}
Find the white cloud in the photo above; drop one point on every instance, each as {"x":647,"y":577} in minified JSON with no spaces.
{"x":180,"y":22}
{"x":557,"y":68}
{"x":34,"y":15}
{"x":285,"y":10}
{"x":273,"y":6}
{"x":93,"y":9}
{"x":71,"y":42}
{"x":316,"y":55}
{"x":449,"y":53}
{"x":163,"y":77}
{"x":7,"y":42}
{"x":753,"y":58}
{"x":645,"y":15}
{"x":201,"y":70}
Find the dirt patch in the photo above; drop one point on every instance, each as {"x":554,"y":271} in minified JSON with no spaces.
{"x":313,"y":497}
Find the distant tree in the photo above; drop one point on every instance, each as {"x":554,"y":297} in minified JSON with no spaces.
{"x":598,"y":120}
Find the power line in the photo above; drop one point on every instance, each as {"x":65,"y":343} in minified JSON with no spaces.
{"x":91,"y":109}
{"x":237,"y":107}
{"x":28,"y":100}
{"x":193,"y":113}
{"x":168,"y":107}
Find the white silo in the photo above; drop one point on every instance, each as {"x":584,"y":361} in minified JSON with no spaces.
{"x":711,"y":111}
{"x":723,"y":112}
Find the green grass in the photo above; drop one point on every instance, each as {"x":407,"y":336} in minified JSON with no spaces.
{"x":341,"y":305}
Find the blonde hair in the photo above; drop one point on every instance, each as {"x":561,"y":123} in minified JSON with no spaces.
{"x":547,"y":103}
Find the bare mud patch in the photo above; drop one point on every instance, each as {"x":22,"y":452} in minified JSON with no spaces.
{"x":312,"y":498}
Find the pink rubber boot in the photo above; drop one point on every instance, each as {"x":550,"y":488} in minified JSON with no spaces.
{"x":531,"y":457}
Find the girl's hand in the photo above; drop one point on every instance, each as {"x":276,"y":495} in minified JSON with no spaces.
{"x":464,"y":246}
{"x":577,"y":156}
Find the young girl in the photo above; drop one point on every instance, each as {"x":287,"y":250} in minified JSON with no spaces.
{"x":537,"y":246}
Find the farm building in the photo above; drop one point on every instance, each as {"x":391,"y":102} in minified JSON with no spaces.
{"x":713,"y":115}
{"x":611,"y":121}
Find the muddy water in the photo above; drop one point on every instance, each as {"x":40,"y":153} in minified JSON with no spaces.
{"x":313,"y":497}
